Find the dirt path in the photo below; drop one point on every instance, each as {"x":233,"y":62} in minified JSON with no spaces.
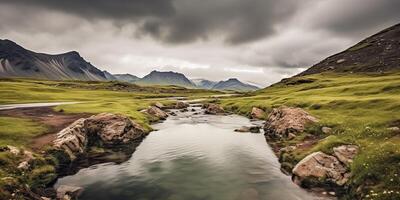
{"x":53,"y":120}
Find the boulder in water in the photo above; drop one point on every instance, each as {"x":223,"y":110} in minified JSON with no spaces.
{"x":257,"y":113}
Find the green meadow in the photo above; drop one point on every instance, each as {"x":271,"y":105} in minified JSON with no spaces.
{"x":92,"y":97}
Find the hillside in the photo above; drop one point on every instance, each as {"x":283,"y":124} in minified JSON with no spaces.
{"x":126,"y":77}
{"x":376,"y":54}
{"x":15,"y":61}
{"x":235,"y":85}
{"x":359,"y":102}
{"x":166,"y":78}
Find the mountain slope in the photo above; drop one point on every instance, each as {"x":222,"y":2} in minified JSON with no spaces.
{"x":126,"y":77}
{"x":378,"y":53}
{"x":15,"y":61}
{"x":166,"y":78}
{"x":204,"y":83}
{"x":234,"y":84}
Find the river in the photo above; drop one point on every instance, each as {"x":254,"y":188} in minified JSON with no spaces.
{"x":193,"y":157}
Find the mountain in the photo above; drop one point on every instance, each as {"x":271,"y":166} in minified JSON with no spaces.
{"x":376,"y":54}
{"x":109,"y":76}
{"x":126,"y":77}
{"x":166,"y":78}
{"x":15,"y":61}
{"x":234,"y":84}
{"x":204,"y":83}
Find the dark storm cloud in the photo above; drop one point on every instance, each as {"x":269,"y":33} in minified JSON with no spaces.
{"x":182,"y":21}
{"x":113,"y":9}
{"x":358,"y":16}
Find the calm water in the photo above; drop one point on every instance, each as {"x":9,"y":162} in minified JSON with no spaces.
{"x":192,"y":157}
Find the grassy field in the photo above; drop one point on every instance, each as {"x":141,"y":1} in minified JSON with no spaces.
{"x":93,"y":97}
{"x":360,"y":108}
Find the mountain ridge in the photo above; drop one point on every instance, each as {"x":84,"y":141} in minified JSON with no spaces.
{"x":375,"y":54}
{"x":16,"y":61}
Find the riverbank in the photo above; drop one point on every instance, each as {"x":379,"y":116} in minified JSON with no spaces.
{"x":361,"y":110}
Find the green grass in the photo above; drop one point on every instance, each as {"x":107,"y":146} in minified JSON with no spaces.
{"x":93,"y":97}
{"x":18,"y":132}
{"x":360,"y":108}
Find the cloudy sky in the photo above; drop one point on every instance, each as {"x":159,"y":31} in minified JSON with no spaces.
{"x":259,"y":41}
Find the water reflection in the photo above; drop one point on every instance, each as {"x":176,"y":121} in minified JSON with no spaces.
{"x":193,"y":157}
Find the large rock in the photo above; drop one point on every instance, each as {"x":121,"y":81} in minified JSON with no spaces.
{"x":156,"y":112}
{"x":320,"y":167}
{"x":214,"y":109}
{"x":103,"y":129}
{"x":181,"y":105}
{"x":114,"y":129}
{"x":257,"y":113}
{"x":73,"y":139}
{"x":285,"y":120}
{"x":346,"y":153}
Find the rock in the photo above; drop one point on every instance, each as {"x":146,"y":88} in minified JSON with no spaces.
{"x":340,"y":61}
{"x":321,"y":167}
{"x":159,"y":105}
{"x":284,"y":120}
{"x":346,"y":153}
{"x":326,"y":130}
{"x":172,"y":113}
{"x":73,"y":139}
{"x":156,"y":112}
{"x":65,"y":192}
{"x":45,"y":198}
{"x":214,"y":109}
{"x":394,"y":129}
{"x":252,"y":129}
{"x":114,"y":129}
{"x":243,"y":129}
{"x":257,"y":113}
{"x":332,"y":193}
{"x":14,"y":150}
{"x":103,"y":129}
{"x":193,"y":110}
{"x":181,"y":105}
{"x":24,"y":165}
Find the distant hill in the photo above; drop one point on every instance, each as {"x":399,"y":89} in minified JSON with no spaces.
{"x":126,"y":78}
{"x":15,"y":61}
{"x":166,"y":78}
{"x":234,"y":84}
{"x":377,"y":54}
{"x":204,"y":84}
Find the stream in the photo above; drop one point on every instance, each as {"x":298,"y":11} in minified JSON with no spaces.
{"x":193,"y":157}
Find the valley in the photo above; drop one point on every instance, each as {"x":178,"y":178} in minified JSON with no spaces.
{"x":68,"y":129}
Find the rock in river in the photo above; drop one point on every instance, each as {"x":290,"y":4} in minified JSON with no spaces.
{"x":156,"y":112}
{"x":257,"y":113}
{"x":213,"y":109}
{"x":181,"y":105}
{"x":252,"y":129}
{"x":104,"y":129}
{"x":320,"y":168}
{"x":285,"y":120}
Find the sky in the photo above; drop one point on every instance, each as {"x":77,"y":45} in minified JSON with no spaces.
{"x":257,"y":41}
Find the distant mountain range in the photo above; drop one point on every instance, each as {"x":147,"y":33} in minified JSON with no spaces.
{"x":16,"y":61}
{"x":126,"y":77}
{"x":166,"y":78}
